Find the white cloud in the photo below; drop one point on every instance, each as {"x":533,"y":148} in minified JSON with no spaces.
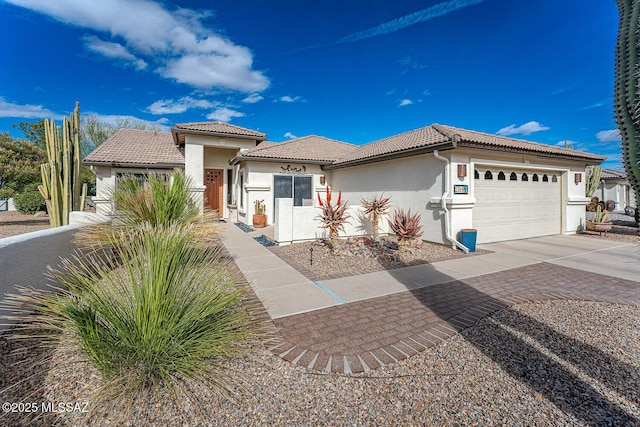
{"x":405,"y":102}
{"x":612,"y":135}
{"x":525,"y":129}
{"x":224,"y":114}
{"x":253,"y":98}
{"x":426,"y":92}
{"x":26,"y":111}
{"x":405,"y":21}
{"x":113,"y":50}
{"x":289,"y":135}
{"x":170,"y":106}
{"x":176,"y":41}
{"x":288,"y":98}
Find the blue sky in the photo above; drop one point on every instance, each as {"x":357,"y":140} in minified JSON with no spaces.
{"x":355,"y":71}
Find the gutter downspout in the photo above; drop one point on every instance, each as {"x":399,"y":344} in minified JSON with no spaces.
{"x":443,"y":199}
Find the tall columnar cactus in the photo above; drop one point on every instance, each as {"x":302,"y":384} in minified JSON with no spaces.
{"x":593,"y":180}
{"x":61,"y":186}
{"x":627,"y":90}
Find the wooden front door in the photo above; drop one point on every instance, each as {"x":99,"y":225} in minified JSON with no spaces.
{"x":213,"y":181}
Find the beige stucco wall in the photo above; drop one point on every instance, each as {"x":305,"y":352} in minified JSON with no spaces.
{"x":258,"y":185}
{"x":411,"y":182}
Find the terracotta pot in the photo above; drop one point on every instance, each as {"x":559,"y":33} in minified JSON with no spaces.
{"x":259,"y":220}
{"x":600,"y":227}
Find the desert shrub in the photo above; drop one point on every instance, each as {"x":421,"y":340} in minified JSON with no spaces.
{"x":156,"y":202}
{"x":171,"y":312}
{"x":29,"y":201}
{"x":406,"y":226}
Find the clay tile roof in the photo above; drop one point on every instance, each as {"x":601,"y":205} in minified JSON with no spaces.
{"x":133,"y":147}
{"x":310,"y":148}
{"x":218,"y":128}
{"x":485,"y":140}
{"x":408,"y":141}
{"x":612,"y":173}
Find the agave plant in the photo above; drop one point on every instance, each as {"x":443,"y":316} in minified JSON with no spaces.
{"x":333,"y":217}
{"x":406,"y":226}
{"x":376,"y":207}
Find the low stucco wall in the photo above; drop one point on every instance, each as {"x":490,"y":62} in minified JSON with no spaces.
{"x":298,"y":223}
{"x":24,"y":259}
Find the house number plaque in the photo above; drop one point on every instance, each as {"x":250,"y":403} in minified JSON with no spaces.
{"x":460,"y":189}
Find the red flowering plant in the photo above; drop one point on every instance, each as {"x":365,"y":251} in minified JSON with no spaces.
{"x":333,"y":217}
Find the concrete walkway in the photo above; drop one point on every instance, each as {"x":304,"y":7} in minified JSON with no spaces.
{"x":285,"y":292}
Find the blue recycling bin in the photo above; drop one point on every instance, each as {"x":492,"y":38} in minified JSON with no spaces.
{"x":468,"y":238}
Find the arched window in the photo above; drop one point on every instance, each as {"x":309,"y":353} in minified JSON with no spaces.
{"x":525,"y":177}
{"x":476,"y":175}
{"x":545,"y":178}
{"x":513,"y":176}
{"x":501,"y":176}
{"x":488,"y":175}
{"x":535,"y":177}
{"x":554,"y":178}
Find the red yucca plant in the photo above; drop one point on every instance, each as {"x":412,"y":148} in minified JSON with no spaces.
{"x":333,"y":217}
{"x":406,"y":226}
{"x":376,"y":207}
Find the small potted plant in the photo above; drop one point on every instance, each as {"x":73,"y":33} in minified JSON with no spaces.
{"x":259,"y":217}
{"x":600,"y":224}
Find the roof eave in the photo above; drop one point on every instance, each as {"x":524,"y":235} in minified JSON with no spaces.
{"x":238,"y":159}
{"x":175,"y":131}
{"x":446,"y":145}
{"x":134,"y":165}
{"x":592,"y":160}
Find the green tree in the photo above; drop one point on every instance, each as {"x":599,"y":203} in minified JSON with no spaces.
{"x":32,"y":131}
{"x":95,"y":131}
{"x":626,"y":94}
{"x":19,"y":163}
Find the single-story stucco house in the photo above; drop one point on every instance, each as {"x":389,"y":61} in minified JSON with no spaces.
{"x":615,"y":186}
{"x":456,"y":179}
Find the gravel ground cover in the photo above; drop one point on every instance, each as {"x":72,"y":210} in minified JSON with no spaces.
{"x":358,"y":256}
{"x":624,"y":228}
{"x":13,"y":223}
{"x":553,"y":363}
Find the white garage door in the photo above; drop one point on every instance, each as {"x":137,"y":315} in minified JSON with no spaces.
{"x":516,"y":203}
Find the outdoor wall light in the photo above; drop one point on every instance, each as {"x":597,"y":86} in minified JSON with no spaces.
{"x":577,"y":178}
{"x":322,"y":180}
{"x":462,"y":171}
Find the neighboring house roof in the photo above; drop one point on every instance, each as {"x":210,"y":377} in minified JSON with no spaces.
{"x":132,"y":147}
{"x":613,"y":174}
{"x":470,"y":138}
{"x":312,"y":149}
{"x":214,"y":128}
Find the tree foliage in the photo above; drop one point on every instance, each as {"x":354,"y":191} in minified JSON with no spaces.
{"x":19,"y":162}
{"x":95,"y":131}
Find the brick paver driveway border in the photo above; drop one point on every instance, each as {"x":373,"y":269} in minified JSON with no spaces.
{"x":368,"y":334}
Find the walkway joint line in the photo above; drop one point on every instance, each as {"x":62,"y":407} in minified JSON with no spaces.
{"x":336,"y":297}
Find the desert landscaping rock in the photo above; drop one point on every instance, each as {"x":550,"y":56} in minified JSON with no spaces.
{"x":552,"y":363}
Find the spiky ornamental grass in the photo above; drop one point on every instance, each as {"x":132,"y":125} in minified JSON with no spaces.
{"x":157,"y":202}
{"x":376,"y":207}
{"x":406,"y":226}
{"x":170,"y":312}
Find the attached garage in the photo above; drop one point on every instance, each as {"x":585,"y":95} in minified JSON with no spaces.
{"x":516,"y":203}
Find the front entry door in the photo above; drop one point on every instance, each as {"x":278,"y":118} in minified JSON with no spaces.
{"x":213,"y":181}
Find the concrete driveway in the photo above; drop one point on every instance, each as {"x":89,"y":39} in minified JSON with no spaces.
{"x":609,"y":257}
